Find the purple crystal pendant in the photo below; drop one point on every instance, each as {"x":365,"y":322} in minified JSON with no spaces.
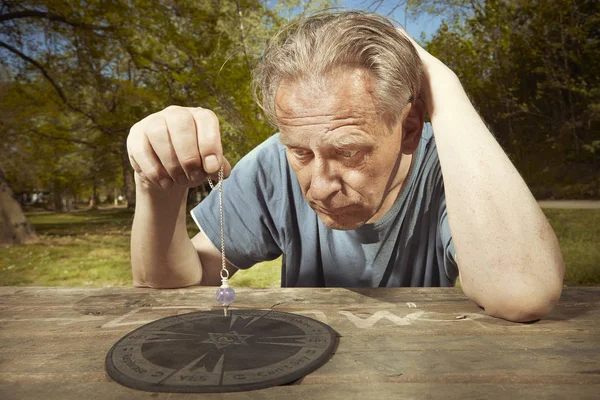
{"x":225,"y":294}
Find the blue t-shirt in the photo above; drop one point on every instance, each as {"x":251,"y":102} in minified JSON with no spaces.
{"x":266,"y":216}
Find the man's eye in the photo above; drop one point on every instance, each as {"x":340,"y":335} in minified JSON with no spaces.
{"x":347,"y":153}
{"x":300,"y":152}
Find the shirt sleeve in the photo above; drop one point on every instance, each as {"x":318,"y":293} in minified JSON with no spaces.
{"x":252,"y":208}
{"x":450,"y":264}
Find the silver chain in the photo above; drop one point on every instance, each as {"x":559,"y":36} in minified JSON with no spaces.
{"x":224,"y":270}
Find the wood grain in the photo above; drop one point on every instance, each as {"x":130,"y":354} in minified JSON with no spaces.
{"x":394,"y":343}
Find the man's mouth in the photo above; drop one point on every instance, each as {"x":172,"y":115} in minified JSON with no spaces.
{"x":333,"y":212}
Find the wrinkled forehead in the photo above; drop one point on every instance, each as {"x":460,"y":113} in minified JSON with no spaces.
{"x":341,"y":91}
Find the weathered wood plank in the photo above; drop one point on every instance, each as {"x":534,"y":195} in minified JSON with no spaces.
{"x":433,"y":318}
{"x":411,"y":342}
{"x":329,"y":391}
{"x":352,"y":367}
{"x":365,"y":358}
{"x":76,"y":341}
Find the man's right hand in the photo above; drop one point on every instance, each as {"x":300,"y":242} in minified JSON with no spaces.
{"x":176,"y":146}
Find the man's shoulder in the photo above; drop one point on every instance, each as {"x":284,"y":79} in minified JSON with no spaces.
{"x":271,"y":146}
{"x":266,"y":159}
{"x":264,"y":170}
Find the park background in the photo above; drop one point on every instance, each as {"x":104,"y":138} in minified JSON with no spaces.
{"x":76,"y":75}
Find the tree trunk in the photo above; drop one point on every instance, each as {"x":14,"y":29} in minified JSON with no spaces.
{"x":14,"y":227}
{"x":61,"y":197}
{"x":128,"y":181}
{"x":68,"y":202}
{"x":94,"y":199}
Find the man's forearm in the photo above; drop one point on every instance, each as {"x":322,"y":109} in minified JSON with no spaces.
{"x":162,"y":254}
{"x":508,"y":255}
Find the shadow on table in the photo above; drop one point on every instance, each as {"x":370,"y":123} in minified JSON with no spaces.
{"x":569,"y":312}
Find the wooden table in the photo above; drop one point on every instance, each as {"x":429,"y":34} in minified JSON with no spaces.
{"x":394,"y":343}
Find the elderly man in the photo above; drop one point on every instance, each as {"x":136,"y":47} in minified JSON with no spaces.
{"x":354,"y":190}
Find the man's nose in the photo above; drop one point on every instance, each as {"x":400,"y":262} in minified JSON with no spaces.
{"x":325,"y":182}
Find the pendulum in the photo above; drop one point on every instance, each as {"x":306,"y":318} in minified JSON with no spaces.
{"x":225,"y":294}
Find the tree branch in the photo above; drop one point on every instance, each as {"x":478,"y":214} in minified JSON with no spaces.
{"x":72,"y":140}
{"x":49,"y":16}
{"x":41,"y":68}
{"x":242,"y":34}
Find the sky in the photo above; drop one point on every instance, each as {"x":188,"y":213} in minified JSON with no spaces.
{"x":426,"y":23}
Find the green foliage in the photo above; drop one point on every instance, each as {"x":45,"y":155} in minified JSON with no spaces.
{"x":88,"y":71}
{"x":532,"y":68}
{"x":76,"y":76}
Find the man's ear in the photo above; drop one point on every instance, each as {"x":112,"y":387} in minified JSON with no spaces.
{"x":412,"y":127}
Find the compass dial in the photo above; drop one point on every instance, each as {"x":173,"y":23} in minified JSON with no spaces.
{"x":208,"y":352}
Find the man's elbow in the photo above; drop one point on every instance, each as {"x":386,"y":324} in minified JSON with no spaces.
{"x":139,"y":284}
{"x":171,"y":284}
{"x":520,"y":312}
{"x":526,"y":305}
{"x":162,"y":281}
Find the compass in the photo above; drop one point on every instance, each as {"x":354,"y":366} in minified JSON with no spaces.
{"x":208,"y":352}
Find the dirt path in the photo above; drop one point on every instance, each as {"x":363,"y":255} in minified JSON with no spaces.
{"x":588,"y":204}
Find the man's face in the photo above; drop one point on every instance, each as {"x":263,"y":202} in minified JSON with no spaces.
{"x":347,"y":161}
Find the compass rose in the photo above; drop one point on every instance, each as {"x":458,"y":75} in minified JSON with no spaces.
{"x":222,"y":340}
{"x":208,"y":352}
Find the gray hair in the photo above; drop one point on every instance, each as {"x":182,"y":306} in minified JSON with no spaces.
{"x":310,"y":48}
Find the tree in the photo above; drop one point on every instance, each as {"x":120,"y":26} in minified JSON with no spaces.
{"x":532,"y":68}
{"x":41,"y":146}
{"x":14,"y":228}
{"x":105,"y":74}
{"x":72,"y":51}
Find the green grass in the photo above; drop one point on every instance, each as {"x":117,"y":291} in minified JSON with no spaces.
{"x":76,"y":249}
{"x":578,"y":232}
{"x":91,"y":248}
{"x":266,"y":274}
